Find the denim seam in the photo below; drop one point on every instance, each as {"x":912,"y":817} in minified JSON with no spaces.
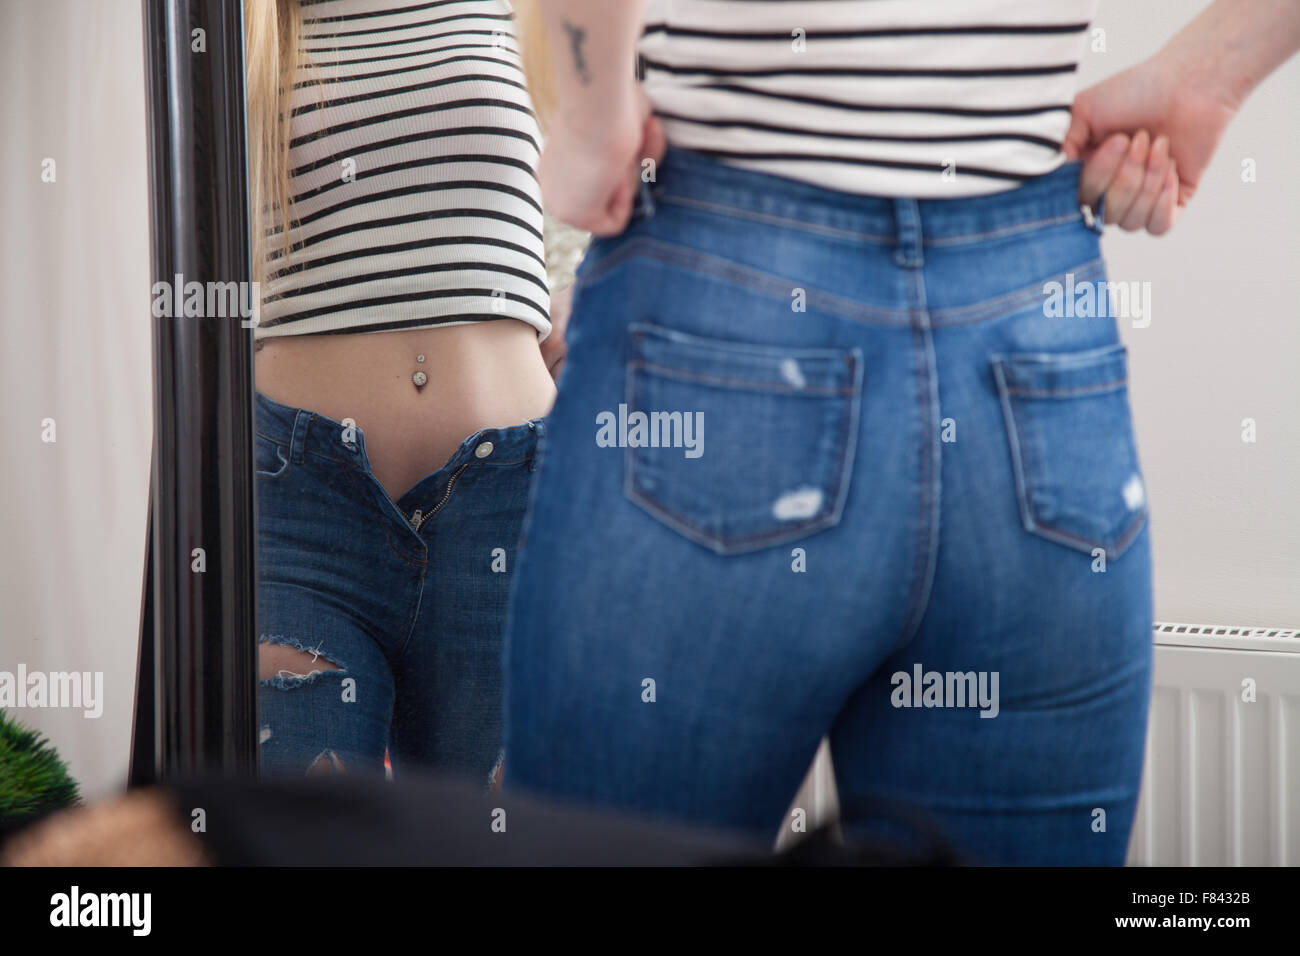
{"x":747,"y":277}
{"x":731,"y":545}
{"x":1008,"y":301}
{"x":1087,"y":545}
{"x":284,"y":463}
{"x":302,"y":422}
{"x":419,"y":561}
{"x":1005,"y":230}
{"x":927,"y":543}
{"x":1021,"y":466}
{"x":1013,"y":437}
{"x":1111,"y":386}
{"x":350,"y":462}
{"x":414,"y":614}
{"x":740,"y":212}
{"x":741,"y":384}
{"x":639,"y":331}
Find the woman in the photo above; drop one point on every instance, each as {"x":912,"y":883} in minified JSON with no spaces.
{"x":393,"y":153}
{"x":827,"y":459}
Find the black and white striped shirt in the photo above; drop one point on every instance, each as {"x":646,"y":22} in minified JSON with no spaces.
{"x":413,"y":169}
{"x":925,"y":98}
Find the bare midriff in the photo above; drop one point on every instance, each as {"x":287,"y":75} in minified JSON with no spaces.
{"x":485,"y":375}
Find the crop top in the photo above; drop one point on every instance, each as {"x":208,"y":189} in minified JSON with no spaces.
{"x":940,"y":98}
{"x":413,"y":165}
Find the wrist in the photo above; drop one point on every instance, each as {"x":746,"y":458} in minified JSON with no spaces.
{"x":1189,"y":66}
{"x":604,"y":124}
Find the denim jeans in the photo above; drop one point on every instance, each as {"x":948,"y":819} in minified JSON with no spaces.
{"x":824,"y":464}
{"x":406,"y":599}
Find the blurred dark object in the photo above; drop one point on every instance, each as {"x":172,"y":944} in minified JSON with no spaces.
{"x":422,"y":821}
{"x":349,"y":820}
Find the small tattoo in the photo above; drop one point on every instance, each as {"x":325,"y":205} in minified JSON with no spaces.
{"x":578,"y":36}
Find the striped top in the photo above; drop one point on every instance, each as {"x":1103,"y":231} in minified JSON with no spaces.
{"x":413,"y":170}
{"x":935,"y":99}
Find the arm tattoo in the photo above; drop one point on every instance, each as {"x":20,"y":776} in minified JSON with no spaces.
{"x":578,"y":36}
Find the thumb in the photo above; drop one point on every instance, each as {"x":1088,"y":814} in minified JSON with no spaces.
{"x":1079,"y":134}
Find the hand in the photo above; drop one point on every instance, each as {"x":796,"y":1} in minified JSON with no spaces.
{"x":1161,"y":97}
{"x":591,"y":166}
{"x":1140,"y":183}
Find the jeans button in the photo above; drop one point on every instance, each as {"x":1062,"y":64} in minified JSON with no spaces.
{"x":483,"y":450}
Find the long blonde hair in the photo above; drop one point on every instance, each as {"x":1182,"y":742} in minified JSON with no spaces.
{"x":531,"y":35}
{"x":271,"y":33}
{"x":271,"y":30}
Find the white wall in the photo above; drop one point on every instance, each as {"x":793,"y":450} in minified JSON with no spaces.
{"x":74,"y":346}
{"x":1222,"y":346}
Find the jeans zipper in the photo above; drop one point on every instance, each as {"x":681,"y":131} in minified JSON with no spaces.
{"x":420,"y":517}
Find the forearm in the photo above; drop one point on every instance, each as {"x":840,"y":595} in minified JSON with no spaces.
{"x":1234,"y":44}
{"x":593,"y":49}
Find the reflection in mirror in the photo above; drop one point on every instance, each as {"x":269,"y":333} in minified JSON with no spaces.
{"x":402,"y":374}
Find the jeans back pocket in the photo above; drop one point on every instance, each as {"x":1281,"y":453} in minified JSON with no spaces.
{"x":1072,"y":447}
{"x":737,"y":446}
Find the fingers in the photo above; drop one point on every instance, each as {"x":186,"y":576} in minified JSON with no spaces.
{"x":1153,"y":184}
{"x":1080,"y":132}
{"x":1167,"y":208}
{"x":1101,"y":167}
{"x":1139,"y":180}
{"x":618,"y":210}
{"x":654,"y":143}
{"x":1127,"y":184}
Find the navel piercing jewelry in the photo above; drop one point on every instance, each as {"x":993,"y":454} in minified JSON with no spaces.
{"x":419,"y":378}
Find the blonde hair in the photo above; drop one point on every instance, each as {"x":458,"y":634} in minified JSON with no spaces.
{"x":271,"y":33}
{"x":271,"y":29}
{"x":531,"y":35}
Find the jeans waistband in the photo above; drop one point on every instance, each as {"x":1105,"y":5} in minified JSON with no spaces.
{"x":300,"y":430}
{"x":694,"y":179}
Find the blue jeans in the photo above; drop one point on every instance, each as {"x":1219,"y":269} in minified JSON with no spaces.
{"x":824,"y":464}
{"x":410,"y":618}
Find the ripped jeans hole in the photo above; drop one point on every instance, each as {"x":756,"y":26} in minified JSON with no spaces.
{"x":327,"y":762}
{"x":277,"y":659}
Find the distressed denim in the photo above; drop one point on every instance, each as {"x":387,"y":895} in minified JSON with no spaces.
{"x":409,"y":616}
{"x":910,"y":517}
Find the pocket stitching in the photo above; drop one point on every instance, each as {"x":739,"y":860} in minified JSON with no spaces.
{"x":841,"y":470}
{"x":739,"y":384}
{"x":1019,"y":457}
{"x":279,"y":453}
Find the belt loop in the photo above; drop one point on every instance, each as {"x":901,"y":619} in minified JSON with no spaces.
{"x":907,"y":223}
{"x":645,"y":203}
{"x":298,"y":442}
{"x":1095,"y":219}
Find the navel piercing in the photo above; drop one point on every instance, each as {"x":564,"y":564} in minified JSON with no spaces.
{"x":419,"y":378}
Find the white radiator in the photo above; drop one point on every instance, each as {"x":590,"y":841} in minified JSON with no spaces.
{"x":1221,"y":784}
{"x":1222,"y":780}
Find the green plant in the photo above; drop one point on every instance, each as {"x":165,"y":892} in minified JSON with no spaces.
{"x":33,"y":780}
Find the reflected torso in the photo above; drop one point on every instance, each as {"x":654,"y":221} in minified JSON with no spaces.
{"x":489,"y":374}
